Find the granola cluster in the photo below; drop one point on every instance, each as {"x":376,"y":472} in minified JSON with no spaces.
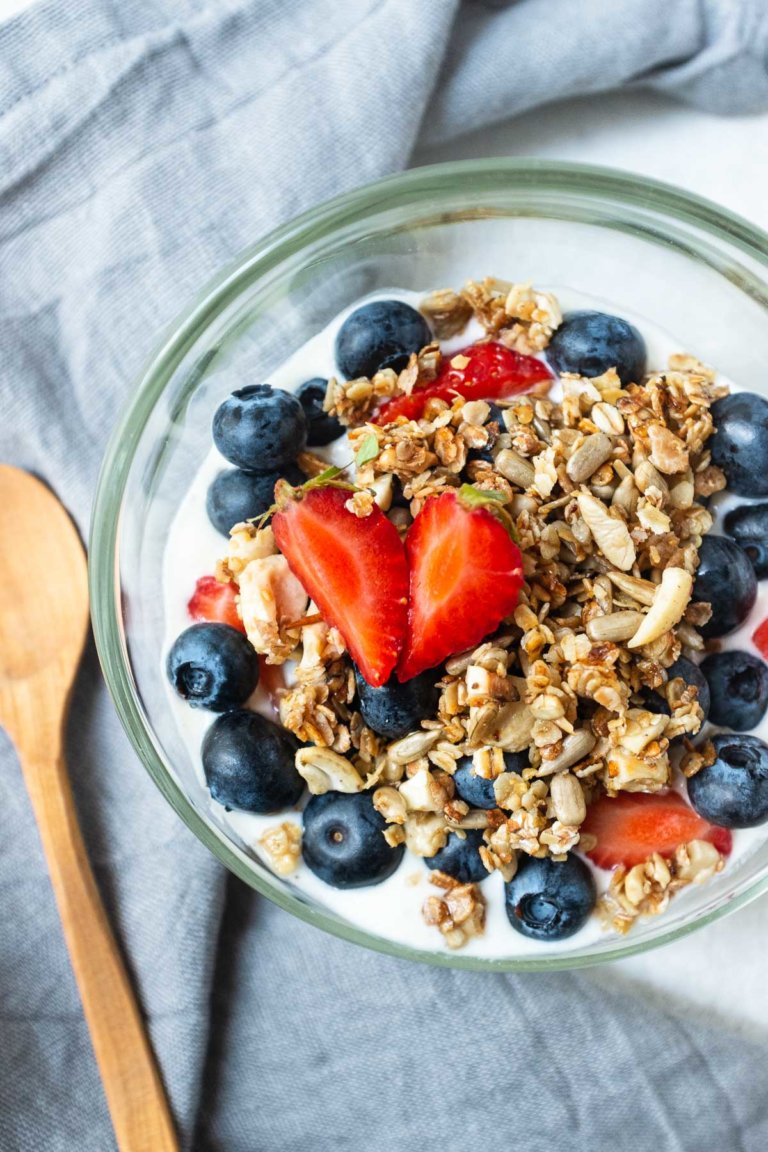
{"x":603,"y":487}
{"x":645,"y":890}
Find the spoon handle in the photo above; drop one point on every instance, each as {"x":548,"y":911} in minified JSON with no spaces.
{"x":132,"y":1085}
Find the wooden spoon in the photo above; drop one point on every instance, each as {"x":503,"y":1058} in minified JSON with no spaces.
{"x":43,"y":625}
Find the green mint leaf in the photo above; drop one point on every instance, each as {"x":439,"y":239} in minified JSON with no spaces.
{"x":477,"y":497}
{"x":368,"y":450}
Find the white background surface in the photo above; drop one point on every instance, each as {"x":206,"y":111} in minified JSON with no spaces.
{"x":720,"y":971}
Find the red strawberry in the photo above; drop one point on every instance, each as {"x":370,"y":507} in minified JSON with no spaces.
{"x":353,"y":568}
{"x":480,"y":372}
{"x":215,"y":603}
{"x":633,"y":825}
{"x":465,"y":577}
{"x":760,"y":638}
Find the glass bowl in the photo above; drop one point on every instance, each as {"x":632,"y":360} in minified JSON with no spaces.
{"x":642,"y":246}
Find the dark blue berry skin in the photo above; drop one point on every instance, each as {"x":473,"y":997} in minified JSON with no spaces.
{"x":589,"y":343}
{"x":473,"y":789}
{"x":733,"y":792}
{"x":691,"y":673}
{"x":381,"y":334}
{"x":478,"y":791}
{"x":738,"y":682}
{"x":726,"y":580}
{"x":260,"y":428}
{"x":235,"y":495}
{"x":653,"y":701}
{"x":213,"y":666}
{"x":460,"y":858}
{"x":740,"y":442}
{"x":548,"y":899}
{"x":396,"y":709}
{"x":343,"y":840}
{"x":249,"y":763}
{"x":747,"y":522}
{"x":496,"y":416}
{"x":321,"y":428}
{"x":757,"y":554}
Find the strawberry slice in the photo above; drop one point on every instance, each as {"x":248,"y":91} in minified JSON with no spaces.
{"x":215,"y":603}
{"x":465,"y":577}
{"x":353,"y":568}
{"x":632,"y":826}
{"x":760,"y":639}
{"x":480,"y":372}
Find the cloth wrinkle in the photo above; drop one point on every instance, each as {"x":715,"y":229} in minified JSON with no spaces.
{"x":143,"y":144}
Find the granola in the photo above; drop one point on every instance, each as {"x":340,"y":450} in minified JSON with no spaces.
{"x":604,"y":487}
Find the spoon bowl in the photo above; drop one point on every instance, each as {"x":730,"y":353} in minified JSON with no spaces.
{"x":43,"y":626}
{"x":36,"y":628}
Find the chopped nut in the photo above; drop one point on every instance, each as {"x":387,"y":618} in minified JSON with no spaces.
{"x":390,"y":804}
{"x":327,"y":771}
{"x":668,"y":452}
{"x":282,"y":847}
{"x":425,"y":833}
{"x":447,"y":312}
{"x":424,"y":792}
{"x":668,"y":607}
{"x":459,"y":913}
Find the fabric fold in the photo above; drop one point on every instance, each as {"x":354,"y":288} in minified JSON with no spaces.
{"x":142,"y":145}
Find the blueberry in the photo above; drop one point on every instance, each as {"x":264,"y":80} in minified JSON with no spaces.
{"x":396,"y":709}
{"x":757,"y":554}
{"x":478,"y":791}
{"x":692,"y":675}
{"x":733,"y":792}
{"x":321,"y":428}
{"x":249,"y":763}
{"x":260,"y":428}
{"x":548,"y":899}
{"x":235,"y":495}
{"x":496,"y":416}
{"x":740,"y":443}
{"x":653,"y":701}
{"x":726,"y":580}
{"x":474,"y":789}
{"x":747,"y":522}
{"x":738,"y":682}
{"x":381,"y":334}
{"x":460,"y":858}
{"x":343,"y":840}
{"x":213,"y":666}
{"x":589,"y":343}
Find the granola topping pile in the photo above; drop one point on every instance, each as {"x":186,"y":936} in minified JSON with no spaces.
{"x":564,"y":726}
{"x":605,"y":490}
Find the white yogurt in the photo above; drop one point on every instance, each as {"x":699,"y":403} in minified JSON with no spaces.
{"x":391,"y":909}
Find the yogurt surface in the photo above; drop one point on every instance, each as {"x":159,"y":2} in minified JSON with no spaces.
{"x":392,"y":909}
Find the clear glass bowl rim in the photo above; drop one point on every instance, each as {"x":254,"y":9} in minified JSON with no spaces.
{"x":414,"y":188}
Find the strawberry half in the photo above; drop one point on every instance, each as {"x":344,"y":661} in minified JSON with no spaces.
{"x":353,"y":568}
{"x":215,"y":603}
{"x":465,"y":577}
{"x":632,"y":826}
{"x":480,"y":372}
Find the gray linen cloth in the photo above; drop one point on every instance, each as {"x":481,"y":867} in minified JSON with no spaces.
{"x":142,"y":144}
